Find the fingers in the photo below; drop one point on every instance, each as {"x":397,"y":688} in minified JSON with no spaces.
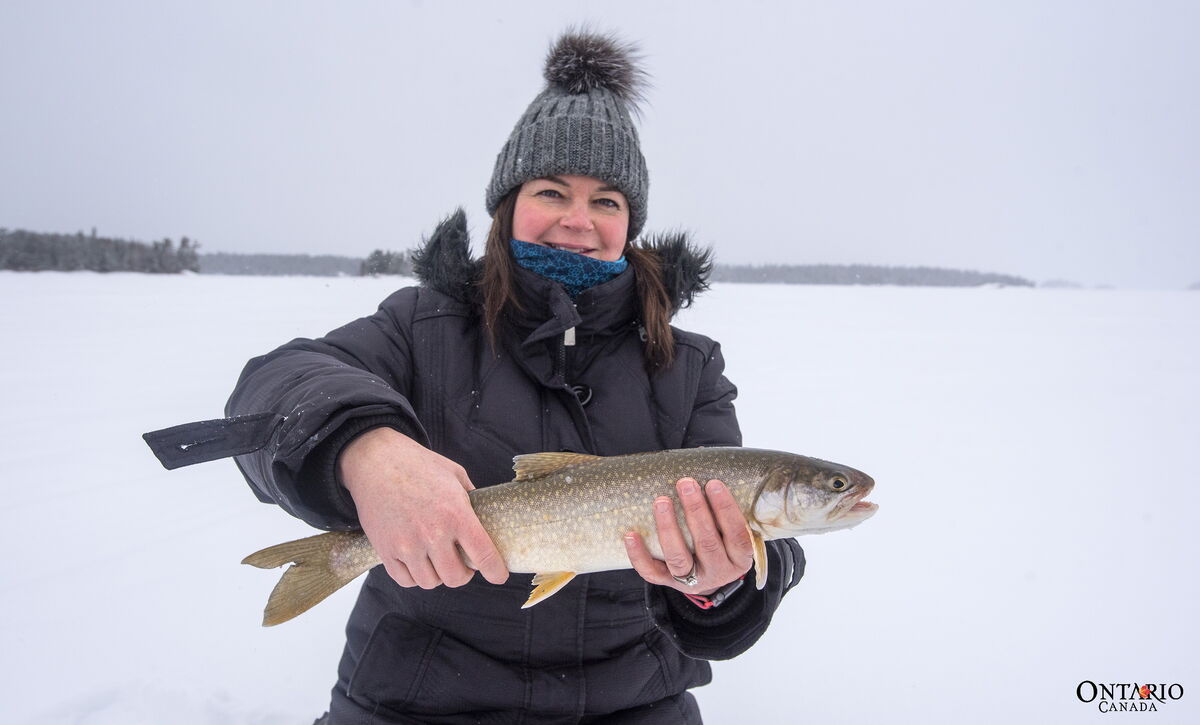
{"x":644,"y":563}
{"x":677,"y":556}
{"x":448,"y":566}
{"x":706,"y":539}
{"x":399,"y":573}
{"x":738,"y":545}
{"x":720,"y":552}
{"x":422,"y":572}
{"x":435,"y":555}
{"x":478,"y":547}
{"x":474,"y":542}
{"x":432,"y":564}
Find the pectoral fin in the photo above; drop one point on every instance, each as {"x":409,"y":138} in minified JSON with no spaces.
{"x":545,"y":585}
{"x":760,"y":559}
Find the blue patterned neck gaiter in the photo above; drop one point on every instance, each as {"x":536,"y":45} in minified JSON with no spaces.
{"x":575,"y":272}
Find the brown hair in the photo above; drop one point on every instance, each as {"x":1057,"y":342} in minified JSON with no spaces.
{"x":499,"y":295}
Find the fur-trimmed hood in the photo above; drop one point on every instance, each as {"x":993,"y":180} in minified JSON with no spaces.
{"x":443,"y":262}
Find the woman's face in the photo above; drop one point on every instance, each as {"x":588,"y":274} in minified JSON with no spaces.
{"x":577,"y":213}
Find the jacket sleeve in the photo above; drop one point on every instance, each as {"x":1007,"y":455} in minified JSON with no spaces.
{"x":327,"y":391}
{"x":726,"y":631}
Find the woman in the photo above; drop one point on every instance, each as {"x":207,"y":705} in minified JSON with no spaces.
{"x":559,"y":339}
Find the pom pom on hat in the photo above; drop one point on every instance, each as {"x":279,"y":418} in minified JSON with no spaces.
{"x":582,"y":61}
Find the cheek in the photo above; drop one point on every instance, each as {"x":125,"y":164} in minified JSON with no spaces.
{"x":528,"y":224}
{"x":612,"y":237}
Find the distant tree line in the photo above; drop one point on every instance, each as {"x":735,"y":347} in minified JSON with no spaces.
{"x":31,"y":251}
{"x":326,"y":265}
{"x":851,"y":274}
{"x":299,"y":265}
{"x":38,"y":252}
{"x":384,"y":262}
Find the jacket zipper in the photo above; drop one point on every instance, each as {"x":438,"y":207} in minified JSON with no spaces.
{"x":576,"y":407}
{"x":568,"y":339}
{"x":560,"y":364}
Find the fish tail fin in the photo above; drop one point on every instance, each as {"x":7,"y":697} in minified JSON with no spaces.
{"x":309,"y":580}
{"x":545,"y":585}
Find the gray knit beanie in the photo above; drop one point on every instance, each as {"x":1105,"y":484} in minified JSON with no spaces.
{"x":580,"y":124}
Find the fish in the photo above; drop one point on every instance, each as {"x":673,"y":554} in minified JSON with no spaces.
{"x":566,"y":514}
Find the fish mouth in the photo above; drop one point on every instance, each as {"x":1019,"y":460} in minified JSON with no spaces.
{"x":862,"y":507}
{"x":855,"y":505}
{"x":852,"y":514}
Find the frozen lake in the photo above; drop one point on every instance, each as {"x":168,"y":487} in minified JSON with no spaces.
{"x":1032,"y":450}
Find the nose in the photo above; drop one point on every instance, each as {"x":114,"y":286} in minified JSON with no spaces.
{"x":577,"y":218}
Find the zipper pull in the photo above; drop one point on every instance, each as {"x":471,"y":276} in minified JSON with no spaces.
{"x":569,"y":336}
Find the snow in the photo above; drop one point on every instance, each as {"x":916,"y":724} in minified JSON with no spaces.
{"x":1033,"y":452}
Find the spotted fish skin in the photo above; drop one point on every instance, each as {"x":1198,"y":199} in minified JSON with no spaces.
{"x":566,"y":514}
{"x":575,"y":518}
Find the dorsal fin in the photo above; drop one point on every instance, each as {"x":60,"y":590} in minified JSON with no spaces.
{"x":536,"y":465}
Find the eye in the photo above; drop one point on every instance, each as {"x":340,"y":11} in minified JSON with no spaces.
{"x":838,"y":484}
{"x":550,"y":193}
{"x":610,"y":203}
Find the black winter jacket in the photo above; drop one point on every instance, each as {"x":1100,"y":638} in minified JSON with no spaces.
{"x":606,"y":643}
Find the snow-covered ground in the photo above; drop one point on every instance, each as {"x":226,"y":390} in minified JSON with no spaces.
{"x":1034,"y":452}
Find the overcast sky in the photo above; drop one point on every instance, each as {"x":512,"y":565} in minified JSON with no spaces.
{"x":1048,"y":139}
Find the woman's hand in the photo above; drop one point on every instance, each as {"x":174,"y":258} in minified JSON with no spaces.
{"x":413,"y":506}
{"x":724,"y":551}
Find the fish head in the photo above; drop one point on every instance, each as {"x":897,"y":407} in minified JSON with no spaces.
{"x":811,"y":496}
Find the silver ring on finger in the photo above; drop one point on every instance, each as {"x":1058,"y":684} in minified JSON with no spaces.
{"x":689,"y":579}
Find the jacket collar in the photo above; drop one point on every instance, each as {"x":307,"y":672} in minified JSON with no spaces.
{"x":548,"y":311}
{"x":444,"y":263}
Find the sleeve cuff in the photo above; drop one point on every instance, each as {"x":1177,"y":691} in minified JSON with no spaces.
{"x":731,"y":608}
{"x":319,"y":474}
{"x":726,"y":631}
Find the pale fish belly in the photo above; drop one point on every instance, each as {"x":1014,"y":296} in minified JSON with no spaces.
{"x":587,"y":543}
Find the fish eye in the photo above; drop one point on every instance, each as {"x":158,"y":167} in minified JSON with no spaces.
{"x":838,"y":484}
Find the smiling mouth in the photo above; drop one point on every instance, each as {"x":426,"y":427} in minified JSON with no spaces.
{"x":577,"y":250}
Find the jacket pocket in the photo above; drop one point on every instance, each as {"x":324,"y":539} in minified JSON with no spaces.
{"x":410,"y":669}
{"x":393,"y":664}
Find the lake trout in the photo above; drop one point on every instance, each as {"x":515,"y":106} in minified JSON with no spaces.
{"x":565,"y":514}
